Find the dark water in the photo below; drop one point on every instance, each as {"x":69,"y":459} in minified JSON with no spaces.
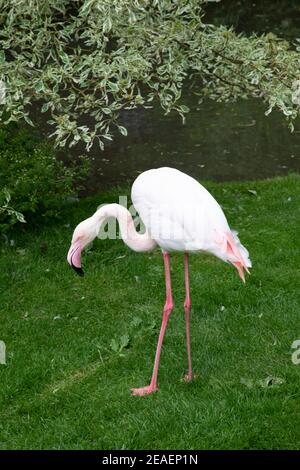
{"x":219,"y":141}
{"x":281,"y":17}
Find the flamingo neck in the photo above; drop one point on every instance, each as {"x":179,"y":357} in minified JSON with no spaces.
{"x":136,"y":241}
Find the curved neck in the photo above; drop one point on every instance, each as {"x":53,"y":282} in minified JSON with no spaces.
{"x":136,"y":241}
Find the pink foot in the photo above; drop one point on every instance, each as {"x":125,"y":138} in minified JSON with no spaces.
{"x":188,"y":377}
{"x":144,"y":390}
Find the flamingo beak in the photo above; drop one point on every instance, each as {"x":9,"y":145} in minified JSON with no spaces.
{"x":74,"y":257}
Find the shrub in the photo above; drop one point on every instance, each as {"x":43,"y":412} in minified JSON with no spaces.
{"x":34,"y":183}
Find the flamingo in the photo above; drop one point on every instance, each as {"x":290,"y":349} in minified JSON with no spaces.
{"x":178,"y":214}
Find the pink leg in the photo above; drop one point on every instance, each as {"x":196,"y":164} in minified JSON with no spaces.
{"x":166,"y":314}
{"x":187,"y":307}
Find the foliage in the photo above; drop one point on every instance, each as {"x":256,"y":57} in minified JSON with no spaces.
{"x":32,"y":179}
{"x":7,"y":211}
{"x":66,"y":384}
{"x":84,"y":62}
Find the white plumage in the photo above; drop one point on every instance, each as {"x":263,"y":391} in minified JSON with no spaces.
{"x":181,"y":215}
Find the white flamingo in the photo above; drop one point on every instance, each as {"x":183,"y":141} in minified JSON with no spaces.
{"x":179,"y":215}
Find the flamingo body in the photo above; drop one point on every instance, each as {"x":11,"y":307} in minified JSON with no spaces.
{"x":181,"y":215}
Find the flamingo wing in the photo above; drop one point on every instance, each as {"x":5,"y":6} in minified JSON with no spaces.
{"x":182,"y":215}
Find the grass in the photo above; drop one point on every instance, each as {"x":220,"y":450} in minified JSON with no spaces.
{"x":75,"y":346}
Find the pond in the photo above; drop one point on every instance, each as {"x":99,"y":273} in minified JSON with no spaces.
{"x":220,"y":141}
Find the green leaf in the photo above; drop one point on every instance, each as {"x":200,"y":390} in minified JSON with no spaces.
{"x":45,"y":107}
{"x":123,"y":130}
{"x":184,"y":109}
{"x":114,"y":345}
{"x":28,"y":120}
{"x":107,"y":25}
{"x":124,"y":341}
{"x":7,"y":195}
{"x":65,"y":58}
{"x":20,"y":217}
{"x":113,"y":86}
{"x":39,"y":86}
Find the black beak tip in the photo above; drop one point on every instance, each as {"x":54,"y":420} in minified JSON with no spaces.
{"x":79,"y":271}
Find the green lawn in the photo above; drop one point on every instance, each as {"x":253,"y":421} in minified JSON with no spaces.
{"x":66,"y":384}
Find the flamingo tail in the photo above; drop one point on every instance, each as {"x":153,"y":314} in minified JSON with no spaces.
{"x":237,"y":254}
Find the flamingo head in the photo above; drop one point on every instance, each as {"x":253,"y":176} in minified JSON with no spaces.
{"x":83,"y":234}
